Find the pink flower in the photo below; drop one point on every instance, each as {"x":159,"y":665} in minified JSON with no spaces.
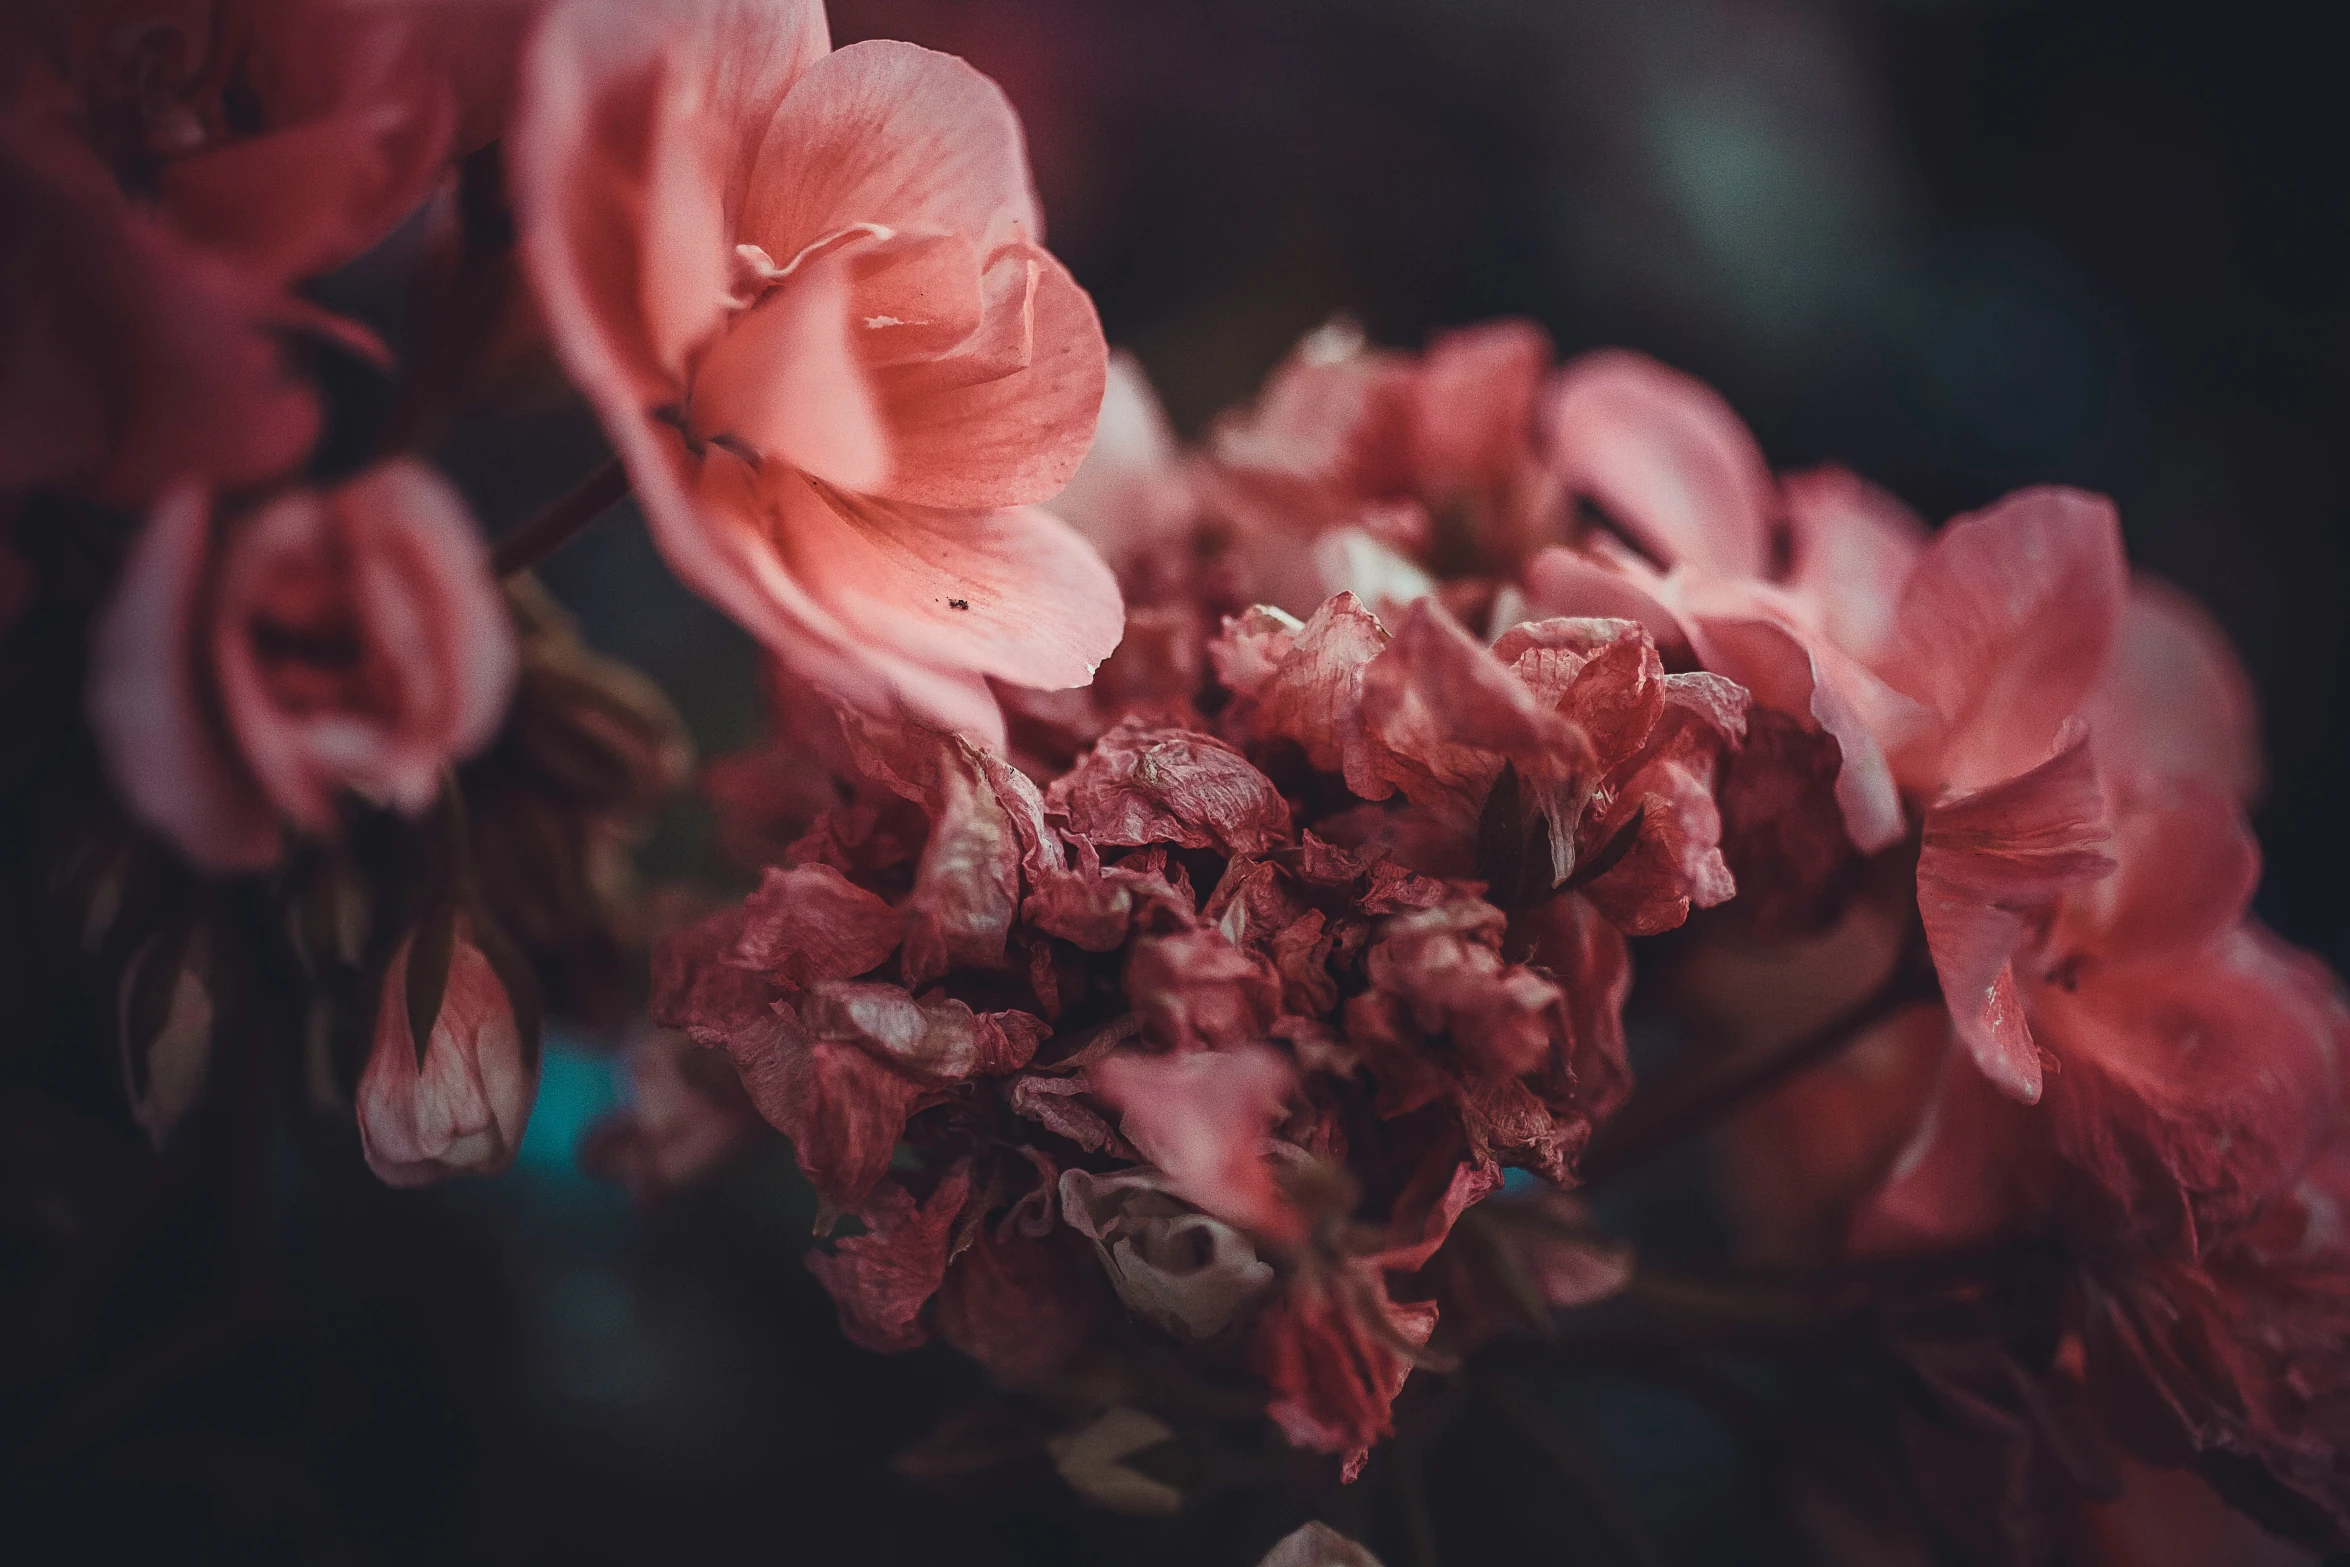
{"x":283,"y":136}
{"x":133,"y":359}
{"x":448,"y":1096}
{"x":2004,"y":629}
{"x":250,"y":672}
{"x":805,"y":292}
{"x":1787,"y":589}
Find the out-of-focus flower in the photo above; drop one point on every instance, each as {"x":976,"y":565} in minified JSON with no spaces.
{"x":686,"y":1116}
{"x":805,"y":292}
{"x":446,"y":1094}
{"x":252,"y":670}
{"x":133,"y":359}
{"x":282,"y":136}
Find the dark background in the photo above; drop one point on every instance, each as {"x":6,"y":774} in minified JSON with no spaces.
{"x":1957,"y":246}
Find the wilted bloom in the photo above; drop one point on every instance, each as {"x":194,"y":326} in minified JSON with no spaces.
{"x":806,"y":294}
{"x":252,"y":670}
{"x":449,"y":1095}
{"x":1265,"y":1100}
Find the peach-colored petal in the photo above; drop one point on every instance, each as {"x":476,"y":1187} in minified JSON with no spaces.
{"x":685,"y":262}
{"x":1665,"y":457}
{"x":915,"y":297}
{"x":1005,"y":420}
{"x":783,"y":379}
{"x":1015,"y":593}
{"x":603,"y":86}
{"x":147,"y":706}
{"x":887,"y":133}
{"x":2004,"y":629}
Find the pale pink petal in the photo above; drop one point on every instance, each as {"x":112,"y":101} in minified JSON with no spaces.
{"x":619,"y":97}
{"x":684,"y":257}
{"x":1664,"y":456}
{"x":1006,"y":419}
{"x":719,"y":531}
{"x":1015,"y":593}
{"x":148,"y":707}
{"x":1132,"y":490}
{"x":783,"y":379}
{"x":1853,"y":547}
{"x":887,"y":133}
{"x":2174,"y":700}
{"x":1989,"y":864}
{"x":1796,"y":676}
{"x":2005,"y":627}
{"x":915,"y":297}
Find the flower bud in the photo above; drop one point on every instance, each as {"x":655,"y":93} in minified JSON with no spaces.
{"x":453,"y":1070}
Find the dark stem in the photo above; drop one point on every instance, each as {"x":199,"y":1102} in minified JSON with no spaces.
{"x":1688,"y":1101}
{"x":562,"y":521}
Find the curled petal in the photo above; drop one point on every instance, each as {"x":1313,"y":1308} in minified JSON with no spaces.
{"x":1991,"y":864}
{"x":1202,"y":1117}
{"x":810,"y":923}
{"x":2005,"y":627}
{"x":1664,"y":456}
{"x":149,"y":705}
{"x":881,"y":1280}
{"x":1141,"y":785}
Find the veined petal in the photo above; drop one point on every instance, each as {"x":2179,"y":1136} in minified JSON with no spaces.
{"x":784,"y":379}
{"x":1006,"y":418}
{"x":2005,"y":628}
{"x":1990,"y":864}
{"x":1015,"y":593}
{"x":885,"y":132}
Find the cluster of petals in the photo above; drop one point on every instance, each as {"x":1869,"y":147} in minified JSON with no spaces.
{"x":806,"y":292}
{"x":2122,"y":1057}
{"x":1227,"y":1022}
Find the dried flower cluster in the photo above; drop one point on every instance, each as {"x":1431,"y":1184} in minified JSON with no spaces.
{"x":1196,"y":887}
